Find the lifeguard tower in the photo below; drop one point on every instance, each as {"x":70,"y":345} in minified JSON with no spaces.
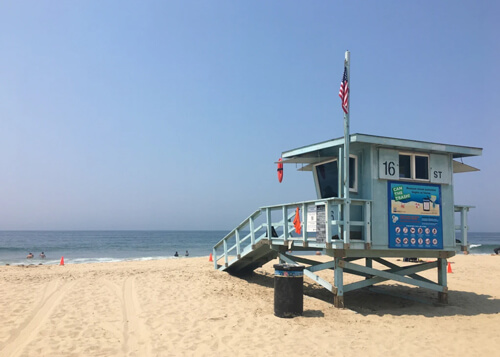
{"x":377,"y":198}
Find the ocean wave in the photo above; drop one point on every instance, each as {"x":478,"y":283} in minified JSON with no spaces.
{"x":67,"y":261}
{"x":151,"y":258}
{"x":114,"y":260}
{"x":475,"y":246}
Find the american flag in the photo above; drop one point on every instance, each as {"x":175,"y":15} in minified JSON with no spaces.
{"x":344,"y":92}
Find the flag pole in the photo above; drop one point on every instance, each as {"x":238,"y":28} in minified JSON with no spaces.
{"x":347,"y":139}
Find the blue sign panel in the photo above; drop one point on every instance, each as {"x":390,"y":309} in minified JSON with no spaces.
{"x":415,"y":220}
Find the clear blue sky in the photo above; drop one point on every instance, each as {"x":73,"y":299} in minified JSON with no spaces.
{"x":171,"y":114}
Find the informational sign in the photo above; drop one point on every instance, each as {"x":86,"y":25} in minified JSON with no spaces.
{"x":311,"y":218}
{"x":320,"y":224}
{"x":316,"y":222}
{"x":415,"y":220}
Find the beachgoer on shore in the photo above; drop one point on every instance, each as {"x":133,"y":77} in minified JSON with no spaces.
{"x":176,"y":254}
{"x":42,"y":255}
{"x":497,"y":250}
{"x":29,"y":256}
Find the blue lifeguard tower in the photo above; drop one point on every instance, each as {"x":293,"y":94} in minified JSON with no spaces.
{"x":377,"y":198}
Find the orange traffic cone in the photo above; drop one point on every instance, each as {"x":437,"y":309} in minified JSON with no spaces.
{"x":210,"y":259}
{"x":62,"y":261}
{"x":449,"y":268}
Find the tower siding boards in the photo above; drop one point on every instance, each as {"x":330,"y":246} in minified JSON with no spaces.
{"x":373,"y":152}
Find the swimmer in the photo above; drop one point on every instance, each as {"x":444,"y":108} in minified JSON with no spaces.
{"x":187,"y":253}
{"x":496,"y":250}
{"x":176,"y":254}
{"x":42,"y":255}
{"x":29,"y":256}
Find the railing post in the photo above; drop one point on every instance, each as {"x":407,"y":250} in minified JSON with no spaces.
{"x":285,"y":222}
{"x":340,"y":207}
{"x":269,"y":224}
{"x":464,"y":227}
{"x":347,"y":223}
{"x":252,"y":232}
{"x":214,"y":258}
{"x":340,"y":166}
{"x":238,"y":247}
{"x":226,"y":259}
{"x":304,"y":224}
{"x":368,"y":219}
{"x":328,"y":222}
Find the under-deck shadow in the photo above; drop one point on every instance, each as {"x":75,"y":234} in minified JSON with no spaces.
{"x":396,"y":299}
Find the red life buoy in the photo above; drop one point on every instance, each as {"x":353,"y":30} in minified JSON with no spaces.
{"x":280,"y":170}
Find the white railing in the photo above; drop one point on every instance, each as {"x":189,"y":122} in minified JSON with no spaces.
{"x":275,"y":223}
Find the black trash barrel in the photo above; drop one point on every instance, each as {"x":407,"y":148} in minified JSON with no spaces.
{"x":288,"y":290}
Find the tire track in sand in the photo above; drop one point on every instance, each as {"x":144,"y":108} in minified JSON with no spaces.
{"x":29,"y":329}
{"x":136,"y":337}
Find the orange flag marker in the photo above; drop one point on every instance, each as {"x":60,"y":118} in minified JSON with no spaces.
{"x":296,"y":222}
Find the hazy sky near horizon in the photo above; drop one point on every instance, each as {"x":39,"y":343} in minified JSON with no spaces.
{"x":171,"y":114}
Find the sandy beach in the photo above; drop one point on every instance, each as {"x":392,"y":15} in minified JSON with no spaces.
{"x":183,"y":307}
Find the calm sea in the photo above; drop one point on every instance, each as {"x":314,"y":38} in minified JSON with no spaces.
{"x":103,"y":246}
{"x":110,"y":246}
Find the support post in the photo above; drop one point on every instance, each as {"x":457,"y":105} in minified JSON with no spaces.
{"x":368,"y":264}
{"x":338,"y":281}
{"x":443,"y":280}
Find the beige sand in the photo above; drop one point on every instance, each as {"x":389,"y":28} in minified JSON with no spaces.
{"x":182,"y":307}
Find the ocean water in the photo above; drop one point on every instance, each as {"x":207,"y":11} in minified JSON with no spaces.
{"x":103,"y":246}
{"x":482,"y":243}
{"x":110,"y":246}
